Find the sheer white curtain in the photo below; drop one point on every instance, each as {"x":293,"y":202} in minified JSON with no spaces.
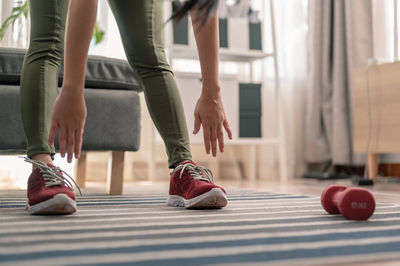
{"x":16,"y":35}
{"x":383,"y":27}
{"x":5,"y":11}
{"x":291,"y":32}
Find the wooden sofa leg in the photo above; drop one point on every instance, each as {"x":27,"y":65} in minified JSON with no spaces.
{"x":373,"y":165}
{"x":115,"y":172}
{"x":81,"y":170}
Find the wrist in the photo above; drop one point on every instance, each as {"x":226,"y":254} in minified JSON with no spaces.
{"x":211,"y":91}
{"x":72,"y":95}
{"x":72,"y":89}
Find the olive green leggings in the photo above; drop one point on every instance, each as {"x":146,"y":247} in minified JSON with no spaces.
{"x":140,"y":24}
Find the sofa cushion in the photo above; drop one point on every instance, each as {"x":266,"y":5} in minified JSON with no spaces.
{"x":101,"y":72}
{"x":113,"y":121}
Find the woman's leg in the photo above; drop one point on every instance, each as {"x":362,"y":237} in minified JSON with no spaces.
{"x":39,"y":84}
{"x":141,"y":27}
{"x":39,"y":80}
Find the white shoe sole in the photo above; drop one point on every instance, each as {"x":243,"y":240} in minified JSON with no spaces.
{"x":215,"y":198}
{"x":59,"y":204}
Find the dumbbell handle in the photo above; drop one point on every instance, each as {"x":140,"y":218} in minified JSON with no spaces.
{"x":336,"y":198}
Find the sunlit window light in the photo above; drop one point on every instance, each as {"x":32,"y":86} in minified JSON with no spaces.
{"x":14,"y":172}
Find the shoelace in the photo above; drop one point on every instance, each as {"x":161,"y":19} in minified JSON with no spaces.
{"x":196,"y":172}
{"x":52,"y":176}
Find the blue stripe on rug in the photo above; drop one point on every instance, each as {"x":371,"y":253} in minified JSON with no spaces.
{"x":130,"y":202}
{"x":268,"y":256}
{"x":232,"y":223}
{"x":265,"y":257}
{"x":194,"y":245}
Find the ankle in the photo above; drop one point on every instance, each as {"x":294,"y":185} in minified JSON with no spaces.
{"x":181,"y":162}
{"x":46,"y":158}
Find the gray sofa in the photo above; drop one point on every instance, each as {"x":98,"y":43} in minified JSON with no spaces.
{"x":113,"y":106}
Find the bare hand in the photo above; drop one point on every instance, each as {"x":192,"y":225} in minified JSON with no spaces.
{"x":209,"y":113}
{"x":69,"y":115}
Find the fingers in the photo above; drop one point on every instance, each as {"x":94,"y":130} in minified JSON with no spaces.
{"x":63,"y":141}
{"x":227,"y":129}
{"x":220,"y":136}
{"x":70,"y":142}
{"x":78,"y":142}
{"x":214,"y":136}
{"x":207,"y":139}
{"x":70,"y":145}
{"x":197,"y":123}
{"x":214,"y":141}
{"x":52,"y":133}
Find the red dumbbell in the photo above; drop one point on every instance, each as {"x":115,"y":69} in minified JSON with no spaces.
{"x":353,"y":203}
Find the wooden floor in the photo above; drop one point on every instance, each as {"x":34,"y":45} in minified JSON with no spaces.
{"x":384,"y":192}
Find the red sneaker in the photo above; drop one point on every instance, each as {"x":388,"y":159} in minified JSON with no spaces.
{"x":49,"y":192}
{"x":192,"y":186}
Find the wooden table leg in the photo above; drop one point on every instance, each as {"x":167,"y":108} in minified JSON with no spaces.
{"x":81,"y":170}
{"x":115,"y":174}
{"x":253,"y":163}
{"x":373,"y":165}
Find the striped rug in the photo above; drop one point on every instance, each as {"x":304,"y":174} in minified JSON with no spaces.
{"x":256,"y":228}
